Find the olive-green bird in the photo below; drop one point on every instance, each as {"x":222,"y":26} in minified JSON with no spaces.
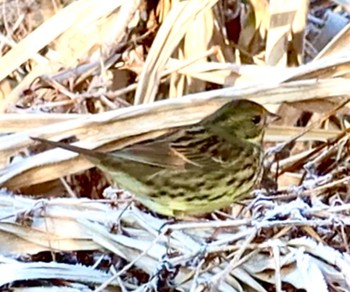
{"x":194,"y":170}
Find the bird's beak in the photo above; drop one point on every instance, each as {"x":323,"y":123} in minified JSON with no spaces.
{"x":271,"y":117}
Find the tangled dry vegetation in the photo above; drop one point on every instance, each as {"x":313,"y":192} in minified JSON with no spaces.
{"x":112,"y":73}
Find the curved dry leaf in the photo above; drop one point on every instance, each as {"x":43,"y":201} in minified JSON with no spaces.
{"x":168,"y":37}
{"x":197,"y":41}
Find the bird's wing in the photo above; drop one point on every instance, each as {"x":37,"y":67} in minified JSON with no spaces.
{"x":184,"y":149}
{"x":155,"y":154}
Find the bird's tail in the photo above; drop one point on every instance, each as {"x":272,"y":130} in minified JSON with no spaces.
{"x":90,"y":154}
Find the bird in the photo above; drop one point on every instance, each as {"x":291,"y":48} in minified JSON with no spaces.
{"x":195,"y":169}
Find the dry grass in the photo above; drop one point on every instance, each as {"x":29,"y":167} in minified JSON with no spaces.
{"x":113,"y":73}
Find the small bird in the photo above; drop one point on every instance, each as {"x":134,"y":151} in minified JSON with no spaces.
{"x":195,"y":169}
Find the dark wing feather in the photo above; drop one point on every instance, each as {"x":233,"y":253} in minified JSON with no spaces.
{"x":184,"y":149}
{"x":157,"y":154}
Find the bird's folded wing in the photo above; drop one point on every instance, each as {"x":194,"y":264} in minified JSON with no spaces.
{"x":156,"y":154}
{"x":167,"y":154}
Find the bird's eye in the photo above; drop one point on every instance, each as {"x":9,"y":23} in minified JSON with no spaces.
{"x":256,"y":119}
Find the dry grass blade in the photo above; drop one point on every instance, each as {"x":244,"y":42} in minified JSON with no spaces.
{"x":17,"y":271}
{"x":170,"y":34}
{"x":14,"y":123}
{"x":279,"y":30}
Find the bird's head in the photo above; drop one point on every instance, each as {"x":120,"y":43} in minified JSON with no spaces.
{"x":242,"y":118}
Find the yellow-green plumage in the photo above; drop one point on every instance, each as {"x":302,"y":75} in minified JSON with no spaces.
{"x":194,"y":170}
